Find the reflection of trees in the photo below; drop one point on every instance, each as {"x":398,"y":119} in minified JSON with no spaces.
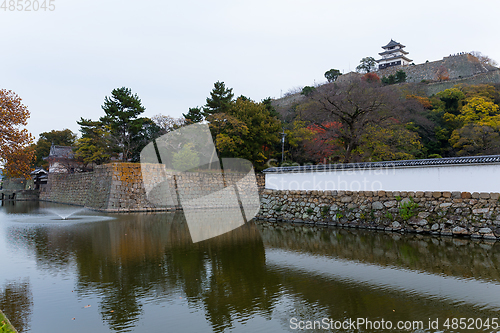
{"x":52,"y":248}
{"x":239,"y":283}
{"x":139,"y":258}
{"x":449,"y":256}
{"x":19,"y":207}
{"x":16,"y":301}
{"x":123,"y":260}
{"x":227,"y":273}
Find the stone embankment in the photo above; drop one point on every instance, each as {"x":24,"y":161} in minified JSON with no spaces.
{"x":121,"y":187}
{"x":475,"y":215}
{"x":451,"y":68}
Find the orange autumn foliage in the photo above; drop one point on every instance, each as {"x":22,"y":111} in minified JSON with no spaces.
{"x":14,"y":140}
{"x":426,"y":103}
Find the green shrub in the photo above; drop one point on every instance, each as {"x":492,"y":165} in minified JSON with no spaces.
{"x":408,"y":209}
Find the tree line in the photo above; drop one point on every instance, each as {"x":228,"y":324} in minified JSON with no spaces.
{"x":240,"y":128}
{"x":366,"y":119}
{"x":361,"y":119}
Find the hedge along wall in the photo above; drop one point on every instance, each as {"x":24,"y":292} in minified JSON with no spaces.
{"x":439,"y":213}
{"x":119,"y":187}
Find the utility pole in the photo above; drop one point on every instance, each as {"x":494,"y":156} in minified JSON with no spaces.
{"x":282,"y":145}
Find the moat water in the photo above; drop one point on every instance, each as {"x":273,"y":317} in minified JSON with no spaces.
{"x":96,"y":272}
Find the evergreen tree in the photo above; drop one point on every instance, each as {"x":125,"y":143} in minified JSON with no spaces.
{"x":194,"y":115}
{"x":332,"y":75}
{"x":272,"y":110}
{"x":400,"y":76}
{"x":94,"y":145}
{"x":367,"y":65}
{"x":220,"y":99}
{"x":122,"y":120}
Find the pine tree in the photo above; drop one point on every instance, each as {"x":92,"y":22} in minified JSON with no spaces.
{"x":194,"y":115}
{"x":220,"y":99}
{"x":122,"y":110}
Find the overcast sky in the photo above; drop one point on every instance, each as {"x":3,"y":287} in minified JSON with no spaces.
{"x":63,"y":63}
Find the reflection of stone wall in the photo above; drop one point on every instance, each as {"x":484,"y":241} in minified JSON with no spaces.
{"x":120,"y":187}
{"x":446,"y":213}
{"x":436,"y":255}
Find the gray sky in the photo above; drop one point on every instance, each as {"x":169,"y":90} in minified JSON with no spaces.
{"x":64,"y":62}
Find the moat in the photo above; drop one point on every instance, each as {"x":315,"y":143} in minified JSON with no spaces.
{"x":96,"y":272}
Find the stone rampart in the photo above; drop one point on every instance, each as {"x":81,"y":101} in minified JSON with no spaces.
{"x":474,"y":215}
{"x":120,"y":187}
{"x":451,"y":68}
{"x":492,"y":77}
{"x":458,"y":69}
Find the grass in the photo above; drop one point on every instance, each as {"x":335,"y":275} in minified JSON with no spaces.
{"x":5,"y":326}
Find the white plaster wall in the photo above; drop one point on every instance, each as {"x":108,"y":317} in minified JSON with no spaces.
{"x":463,"y":178}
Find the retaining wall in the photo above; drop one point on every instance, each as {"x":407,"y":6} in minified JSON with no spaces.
{"x":441,"y":213}
{"x":120,"y":187}
{"x":453,"y":67}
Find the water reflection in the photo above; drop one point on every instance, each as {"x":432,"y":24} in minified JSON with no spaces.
{"x":16,"y":301}
{"x":448,"y":256}
{"x":139,"y":262}
{"x":140,"y":258}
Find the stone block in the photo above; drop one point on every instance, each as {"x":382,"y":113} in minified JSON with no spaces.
{"x":460,"y":231}
{"x":377,"y":205}
{"x":485,"y":231}
{"x":436,"y":194}
{"x":446,"y":194}
{"x":381,"y":193}
{"x":419,"y":194}
{"x":390,"y":204}
{"x":475,"y":195}
{"x":484,"y":195}
{"x":396,"y":225}
{"x":494,"y":196}
{"x":466,"y":195}
{"x":428,"y":194}
{"x":423,"y":215}
{"x":480,"y":210}
{"x":346,"y":199}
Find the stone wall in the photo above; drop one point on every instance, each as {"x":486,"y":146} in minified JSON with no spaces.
{"x":474,"y":215}
{"x":453,"y":67}
{"x":460,"y":69}
{"x":119,"y":187}
{"x":492,"y":77}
